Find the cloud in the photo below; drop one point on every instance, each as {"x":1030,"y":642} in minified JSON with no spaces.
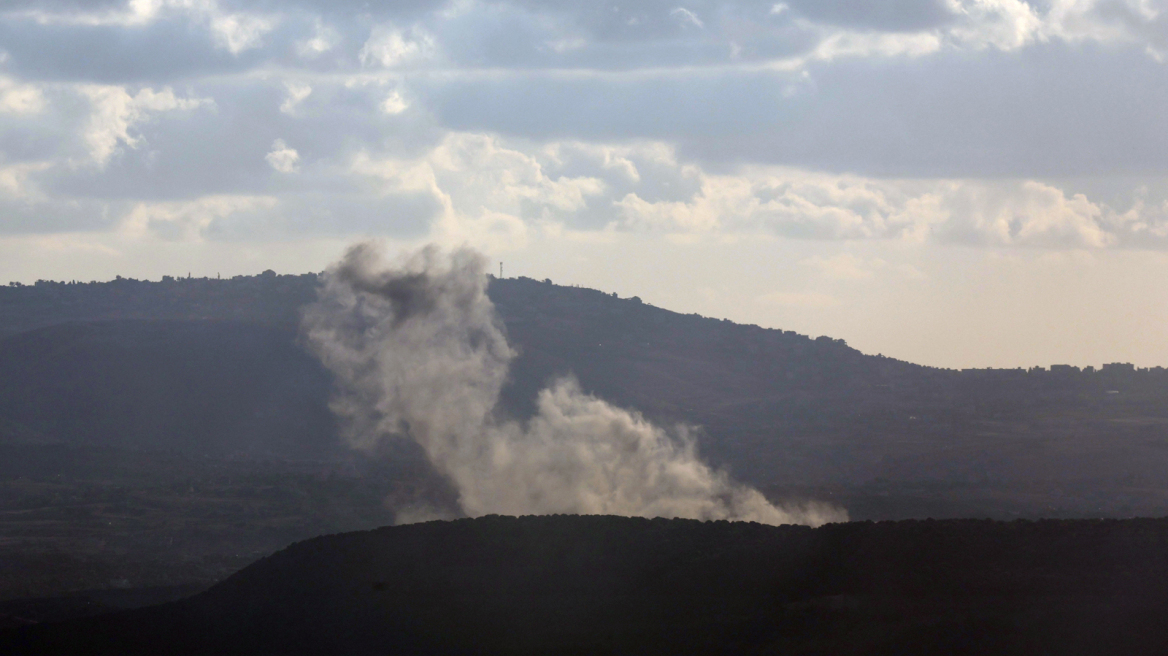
{"x":323,"y":39}
{"x":995,"y":115}
{"x":865,"y":44}
{"x":394,"y":103}
{"x":792,"y":203}
{"x":297,"y":92}
{"x":646,"y":34}
{"x":1003,"y":24}
{"x":238,"y":32}
{"x":476,"y":185}
{"x":496,"y":190}
{"x":947,"y":122}
{"x":282,"y":158}
{"x":187,"y":220}
{"x":686,"y":17}
{"x":889,"y":16}
{"x":130,"y":13}
{"x":481,"y":181}
{"x":809,"y":205}
{"x":14,"y":179}
{"x":389,"y":47}
{"x":115,"y":113}
{"x":20,"y":98}
{"x":1029,"y":214}
{"x":233,"y":31}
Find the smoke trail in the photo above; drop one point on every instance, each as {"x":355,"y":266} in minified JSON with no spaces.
{"x":418,"y":350}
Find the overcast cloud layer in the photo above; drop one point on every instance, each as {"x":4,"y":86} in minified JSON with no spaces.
{"x":864,"y":142}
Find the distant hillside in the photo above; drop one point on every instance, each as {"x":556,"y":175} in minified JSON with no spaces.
{"x":212,"y":366}
{"x":266,"y":299}
{"x":200,"y":387}
{"x":589,"y":585}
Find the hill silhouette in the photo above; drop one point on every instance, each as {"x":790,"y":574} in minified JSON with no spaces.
{"x":593,"y":584}
{"x":213,"y":367}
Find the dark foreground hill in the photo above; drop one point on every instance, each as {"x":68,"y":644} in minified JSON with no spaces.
{"x":571,"y":584}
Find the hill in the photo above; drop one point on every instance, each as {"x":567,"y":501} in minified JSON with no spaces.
{"x":580,"y":584}
{"x":163,"y":433}
{"x":199,"y":387}
{"x":214,"y":368}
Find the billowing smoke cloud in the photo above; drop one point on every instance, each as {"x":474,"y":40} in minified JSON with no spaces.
{"x":418,"y":350}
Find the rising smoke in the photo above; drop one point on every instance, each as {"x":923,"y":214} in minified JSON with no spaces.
{"x":418,"y":350}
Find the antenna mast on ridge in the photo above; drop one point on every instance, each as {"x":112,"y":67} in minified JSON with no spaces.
{"x":500,"y":271}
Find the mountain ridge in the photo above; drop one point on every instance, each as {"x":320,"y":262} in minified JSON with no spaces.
{"x":776,"y":407}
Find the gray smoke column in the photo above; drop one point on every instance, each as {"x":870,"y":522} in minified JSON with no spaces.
{"x":418,"y":350}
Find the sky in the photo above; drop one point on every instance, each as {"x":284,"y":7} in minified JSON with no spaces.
{"x":958,"y":183}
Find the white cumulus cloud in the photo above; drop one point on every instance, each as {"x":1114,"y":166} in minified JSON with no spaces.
{"x":239,"y":32}
{"x":296,"y":93}
{"x":324,"y":39}
{"x":283,"y":158}
{"x":114,"y":114}
{"x":187,"y":220}
{"x":394,"y":103}
{"x":20,"y":98}
{"x":388,"y":46}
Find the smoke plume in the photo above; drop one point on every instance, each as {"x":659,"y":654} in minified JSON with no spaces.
{"x":418,"y":350}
